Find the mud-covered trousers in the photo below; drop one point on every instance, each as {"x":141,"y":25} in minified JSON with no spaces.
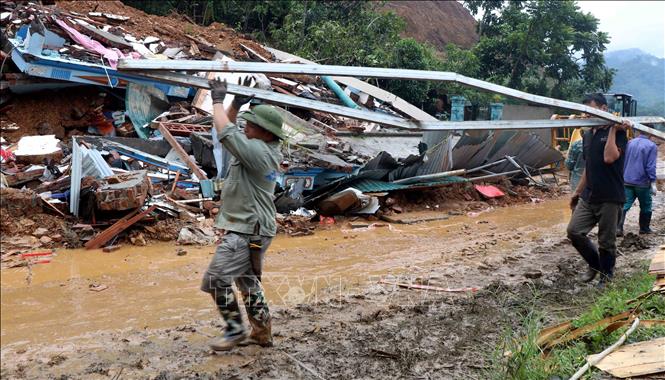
{"x":231,"y":263}
{"x":585,"y":216}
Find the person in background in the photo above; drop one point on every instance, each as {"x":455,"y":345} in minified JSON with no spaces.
{"x":599,"y":195}
{"x":639,"y":175}
{"x":575,"y":163}
{"x":115,"y":161}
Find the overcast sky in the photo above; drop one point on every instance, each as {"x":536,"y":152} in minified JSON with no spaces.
{"x":631,"y":24}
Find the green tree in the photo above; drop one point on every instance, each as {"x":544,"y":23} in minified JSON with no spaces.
{"x":410,"y":54}
{"x":338,"y":32}
{"x":549,"y":48}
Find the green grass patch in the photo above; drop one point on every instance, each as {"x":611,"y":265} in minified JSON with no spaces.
{"x":527,"y":361}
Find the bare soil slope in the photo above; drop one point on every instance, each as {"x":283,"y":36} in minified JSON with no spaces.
{"x":437,"y":22}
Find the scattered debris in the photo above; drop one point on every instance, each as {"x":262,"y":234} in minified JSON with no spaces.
{"x":489,"y":191}
{"x":111,"y":248}
{"x":97,"y":287}
{"x":196,"y":236}
{"x":117,"y":227}
{"x":429,"y":287}
{"x":638,"y":359}
{"x":594,"y":359}
{"x":124,"y":141}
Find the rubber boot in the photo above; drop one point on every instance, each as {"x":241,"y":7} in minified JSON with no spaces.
{"x":607,"y":261}
{"x":589,"y":253}
{"x":589,"y":275}
{"x":645,"y":222}
{"x":228,"y":308}
{"x":258,"y":315}
{"x":622,"y":219}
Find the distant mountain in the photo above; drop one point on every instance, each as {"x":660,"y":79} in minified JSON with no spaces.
{"x":641,"y":75}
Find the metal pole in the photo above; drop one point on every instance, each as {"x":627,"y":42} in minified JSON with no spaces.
{"x":398,"y":122}
{"x":436,"y":176}
{"x":486,"y":165}
{"x":374,"y":72}
{"x":494,"y":175}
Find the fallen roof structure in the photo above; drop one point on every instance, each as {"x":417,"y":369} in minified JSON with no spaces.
{"x":394,"y":121}
{"x":286,"y":68}
{"x":26,"y":53}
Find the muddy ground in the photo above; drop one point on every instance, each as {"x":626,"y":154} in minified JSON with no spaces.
{"x":330,"y":314}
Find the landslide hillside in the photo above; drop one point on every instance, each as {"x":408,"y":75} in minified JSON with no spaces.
{"x":437,"y":22}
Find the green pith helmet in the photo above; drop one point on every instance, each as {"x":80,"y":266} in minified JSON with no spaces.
{"x":266,"y":117}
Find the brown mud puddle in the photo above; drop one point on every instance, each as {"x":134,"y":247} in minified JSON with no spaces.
{"x":152,"y":287}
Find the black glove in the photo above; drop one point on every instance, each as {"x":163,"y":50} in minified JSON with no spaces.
{"x":217,"y":90}
{"x":240,"y":100}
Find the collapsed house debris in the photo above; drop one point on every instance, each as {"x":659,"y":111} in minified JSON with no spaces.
{"x":103,"y":134}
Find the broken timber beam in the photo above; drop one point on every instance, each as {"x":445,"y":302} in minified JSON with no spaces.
{"x":374,"y":72}
{"x":200,"y":174}
{"x":117,"y":227}
{"x":182,"y":129}
{"x":385,"y":119}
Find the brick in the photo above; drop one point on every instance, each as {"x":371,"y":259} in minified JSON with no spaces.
{"x":123,"y":191}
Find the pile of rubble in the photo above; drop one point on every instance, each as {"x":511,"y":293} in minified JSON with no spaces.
{"x":98,"y":156}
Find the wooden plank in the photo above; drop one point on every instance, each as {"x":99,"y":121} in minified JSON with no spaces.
{"x":657,"y":265}
{"x":106,"y":37}
{"x":202,"y":94}
{"x":253,"y":53}
{"x":574,"y":334}
{"x":200,"y":174}
{"x":548,"y":334}
{"x":182,"y":129}
{"x":282,"y":82}
{"x":53,"y":207}
{"x":117,"y":228}
{"x":637,"y":359}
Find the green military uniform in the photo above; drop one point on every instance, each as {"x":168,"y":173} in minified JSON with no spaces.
{"x":248,"y":191}
{"x":248,"y":218}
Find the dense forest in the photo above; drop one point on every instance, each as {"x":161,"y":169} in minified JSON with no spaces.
{"x":547,"y":48}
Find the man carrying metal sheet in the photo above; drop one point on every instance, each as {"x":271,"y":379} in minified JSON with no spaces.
{"x":599,"y":195}
{"x":247,"y":217}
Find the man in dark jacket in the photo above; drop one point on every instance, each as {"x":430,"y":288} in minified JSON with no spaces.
{"x":599,"y":196}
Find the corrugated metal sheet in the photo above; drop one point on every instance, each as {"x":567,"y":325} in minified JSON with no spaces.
{"x":439,"y":152}
{"x":93,"y":164}
{"x":442,"y":182}
{"x":471,"y":151}
{"x":373,"y":186}
{"x":528,"y":148}
{"x":75,"y":178}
